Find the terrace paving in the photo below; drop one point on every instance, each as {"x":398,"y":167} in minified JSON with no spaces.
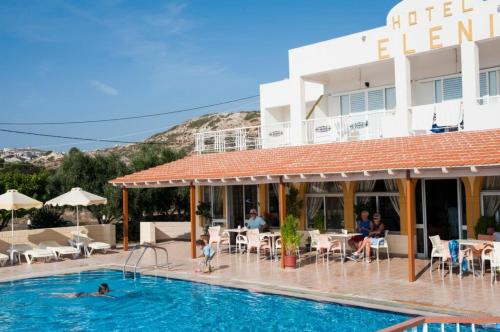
{"x":380,"y":285}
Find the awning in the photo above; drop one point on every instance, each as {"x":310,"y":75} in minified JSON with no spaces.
{"x":448,"y":155}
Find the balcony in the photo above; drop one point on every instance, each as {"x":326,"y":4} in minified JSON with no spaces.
{"x":447,"y":114}
{"x":352,"y":127}
{"x":240,"y":139}
{"x":358,"y":126}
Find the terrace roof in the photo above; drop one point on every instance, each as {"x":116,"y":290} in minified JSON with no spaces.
{"x":474,"y":153}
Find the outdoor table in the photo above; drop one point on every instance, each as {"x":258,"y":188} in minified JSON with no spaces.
{"x":345,"y":238}
{"x":16,"y":251}
{"x":237,"y":231}
{"x":272,"y":237}
{"x":475,"y":244}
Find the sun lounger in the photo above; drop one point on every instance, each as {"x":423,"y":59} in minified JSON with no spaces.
{"x":59,"y":250}
{"x":33,"y":254}
{"x":88,"y":244}
{"x":3,"y":259}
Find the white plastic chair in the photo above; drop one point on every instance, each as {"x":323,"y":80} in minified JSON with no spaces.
{"x":255,"y":241}
{"x":437,"y":250}
{"x":241,"y":241}
{"x":314,"y":239}
{"x":495,"y":262}
{"x":325,"y":243}
{"x":382,"y":245}
{"x":3,"y":259}
{"x":217,"y":238}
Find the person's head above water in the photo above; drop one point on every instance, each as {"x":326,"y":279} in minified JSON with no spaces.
{"x":103,"y":289}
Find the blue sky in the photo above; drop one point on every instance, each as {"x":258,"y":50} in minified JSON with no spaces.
{"x":80,"y":60}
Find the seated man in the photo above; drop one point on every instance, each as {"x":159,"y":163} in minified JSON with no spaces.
{"x":255,"y":222}
{"x":363,"y":226}
{"x":376,"y":236}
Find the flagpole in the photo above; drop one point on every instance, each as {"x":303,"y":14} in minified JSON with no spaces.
{"x":77,"y":227}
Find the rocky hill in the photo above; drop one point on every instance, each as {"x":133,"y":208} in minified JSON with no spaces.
{"x":180,"y":136}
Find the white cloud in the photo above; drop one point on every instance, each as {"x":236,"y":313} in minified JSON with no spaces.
{"x":105,"y":88}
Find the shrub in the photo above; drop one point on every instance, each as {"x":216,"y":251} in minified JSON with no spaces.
{"x":319,"y":222}
{"x":47,"y":218}
{"x":290,"y":236}
{"x":483,"y":224}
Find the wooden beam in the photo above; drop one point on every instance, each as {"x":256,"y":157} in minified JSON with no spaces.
{"x":192,"y":214}
{"x":410,"y":227}
{"x":125,"y":218}
{"x":282,"y":207}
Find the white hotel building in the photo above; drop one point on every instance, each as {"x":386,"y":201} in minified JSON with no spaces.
{"x":434,"y":68}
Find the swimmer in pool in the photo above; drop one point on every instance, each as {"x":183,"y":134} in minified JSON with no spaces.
{"x":103,"y":290}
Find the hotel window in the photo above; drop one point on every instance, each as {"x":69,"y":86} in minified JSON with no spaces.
{"x":368,"y":100}
{"x":215,"y":197}
{"x":490,"y":198}
{"x":383,"y":197}
{"x":447,"y":89}
{"x":325,"y":199}
{"x":241,"y":200}
{"x":488,"y":83}
{"x":273,"y":202}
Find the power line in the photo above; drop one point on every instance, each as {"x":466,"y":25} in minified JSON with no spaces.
{"x":133,"y":117}
{"x":74,"y":138}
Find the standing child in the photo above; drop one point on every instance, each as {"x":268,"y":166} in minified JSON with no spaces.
{"x":208,"y":254}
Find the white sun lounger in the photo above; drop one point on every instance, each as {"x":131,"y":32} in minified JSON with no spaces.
{"x":88,"y":244}
{"x":33,"y":254}
{"x":3,"y":259}
{"x":59,"y":250}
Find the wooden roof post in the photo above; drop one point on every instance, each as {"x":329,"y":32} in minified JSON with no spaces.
{"x":410,"y":226}
{"x":192,"y":215}
{"x":125,"y":218}
{"x":282,"y":207}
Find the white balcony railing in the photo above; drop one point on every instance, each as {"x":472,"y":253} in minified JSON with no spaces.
{"x":357,"y":126}
{"x":240,"y":139}
{"x":487,"y":100}
{"x":448,"y":114}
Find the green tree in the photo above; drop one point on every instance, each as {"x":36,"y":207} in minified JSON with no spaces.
{"x":29,"y":180}
{"x":92,"y":174}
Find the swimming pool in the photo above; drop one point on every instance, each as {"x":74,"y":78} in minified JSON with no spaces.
{"x":155,"y":304}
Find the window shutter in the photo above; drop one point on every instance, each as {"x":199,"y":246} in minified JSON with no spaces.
{"x":483,"y":84}
{"x":358,"y":102}
{"x":452,"y":88}
{"x":376,"y":100}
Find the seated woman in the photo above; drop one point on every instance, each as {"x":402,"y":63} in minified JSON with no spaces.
{"x":375,"y":236}
{"x":364,"y":226}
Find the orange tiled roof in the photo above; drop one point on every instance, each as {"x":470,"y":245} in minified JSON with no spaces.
{"x":459,"y":149}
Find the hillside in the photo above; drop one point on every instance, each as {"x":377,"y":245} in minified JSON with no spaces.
{"x":181,"y":136}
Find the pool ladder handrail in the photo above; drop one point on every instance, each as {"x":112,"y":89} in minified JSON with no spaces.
{"x":146,"y":246}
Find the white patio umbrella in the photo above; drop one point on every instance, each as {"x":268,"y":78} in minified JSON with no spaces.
{"x":13,"y":200}
{"x":77,"y":197}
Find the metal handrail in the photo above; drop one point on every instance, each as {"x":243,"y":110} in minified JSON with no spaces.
{"x":414,"y":323}
{"x":146,"y":246}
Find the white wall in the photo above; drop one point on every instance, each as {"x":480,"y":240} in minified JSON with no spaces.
{"x":101,"y":233}
{"x":433,"y":47}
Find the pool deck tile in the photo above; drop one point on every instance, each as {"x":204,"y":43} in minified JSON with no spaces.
{"x":380,"y":285}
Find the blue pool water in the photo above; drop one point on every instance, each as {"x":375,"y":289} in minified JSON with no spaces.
{"x":159,"y":304}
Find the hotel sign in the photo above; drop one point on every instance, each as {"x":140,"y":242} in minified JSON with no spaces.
{"x":416,"y":26}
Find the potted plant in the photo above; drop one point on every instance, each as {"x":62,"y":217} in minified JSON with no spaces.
{"x":204,"y":210}
{"x":290,"y":240}
{"x":319,"y":223}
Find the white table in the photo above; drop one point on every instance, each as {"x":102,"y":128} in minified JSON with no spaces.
{"x":237,"y":231}
{"x":272,"y":237}
{"x":345,"y":238}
